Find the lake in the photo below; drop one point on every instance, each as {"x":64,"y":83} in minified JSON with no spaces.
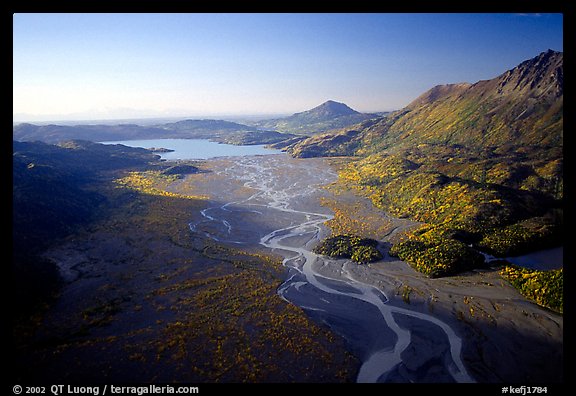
{"x":185,"y":149}
{"x":543,"y":260}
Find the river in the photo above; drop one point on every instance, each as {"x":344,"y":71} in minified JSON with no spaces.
{"x":281,"y":197}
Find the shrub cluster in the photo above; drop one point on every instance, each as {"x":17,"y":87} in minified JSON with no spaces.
{"x":437,"y":255}
{"x":543,"y":287}
{"x":360,"y":250}
{"x":515,"y":239}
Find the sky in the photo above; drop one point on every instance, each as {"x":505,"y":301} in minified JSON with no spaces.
{"x":114,"y":66}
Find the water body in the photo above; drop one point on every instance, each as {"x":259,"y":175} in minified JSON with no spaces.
{"x":543,"y":260}
{"x":188,"y":149}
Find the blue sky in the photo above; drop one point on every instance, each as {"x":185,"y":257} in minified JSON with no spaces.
{"x":101,"y":66}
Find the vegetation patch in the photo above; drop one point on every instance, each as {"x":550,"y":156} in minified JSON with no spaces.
{"x":463,"y":198}
{"x":467,"y":202}
{"x":360,"y":250}
{"x":515,"y":239}
{"x":430,"y":251}
{"x":180,"y":170}
{"x":546,"y":288}
{"x":235,"y":328}
{"x":152,"y":183}
{"x":357,"y":217}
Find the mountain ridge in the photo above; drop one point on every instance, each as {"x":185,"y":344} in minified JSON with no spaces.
{"x":521,"y":106}
{"x":324,"y":117}
{"x":328,"y":109}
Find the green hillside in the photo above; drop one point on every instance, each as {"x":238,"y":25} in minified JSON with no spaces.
{"x":478,"y":164}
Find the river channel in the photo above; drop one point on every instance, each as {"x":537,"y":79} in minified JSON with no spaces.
{"x":278,"y":208}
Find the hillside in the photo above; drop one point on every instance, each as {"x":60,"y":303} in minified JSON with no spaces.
{"x":479,"y":164}
{"x":52,"y":195}
{"x":52,"y":186}
{"x":329,"y":115}
{"x":521,"y":107}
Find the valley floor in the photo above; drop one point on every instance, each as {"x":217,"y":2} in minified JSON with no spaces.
{"x":146,"y":300}
{"x":150,"y":299}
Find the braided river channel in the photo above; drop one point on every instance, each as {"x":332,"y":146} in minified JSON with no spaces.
{"x":274,"y":201}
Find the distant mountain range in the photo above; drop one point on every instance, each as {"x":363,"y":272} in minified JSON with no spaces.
{"x":329,"y":115}
{"x":57,"y":133}
{"x":522,"y":106}
{"x":218,"y":130}
{"x":223,"y":131}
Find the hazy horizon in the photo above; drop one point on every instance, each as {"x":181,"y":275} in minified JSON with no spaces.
{"x":146,"y":120}
{"x":69,"y":67}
